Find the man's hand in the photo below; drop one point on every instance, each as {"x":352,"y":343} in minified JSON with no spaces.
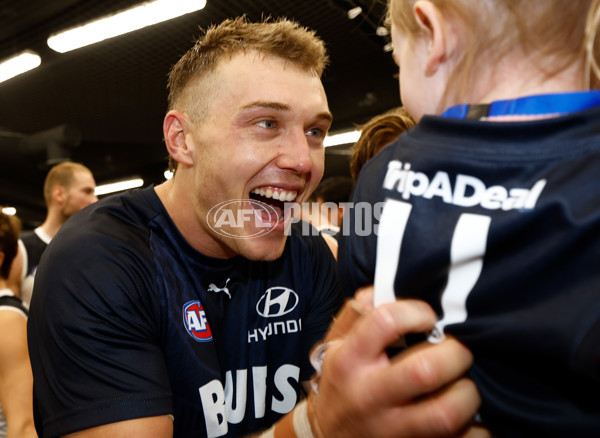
{"x":364,"y":393}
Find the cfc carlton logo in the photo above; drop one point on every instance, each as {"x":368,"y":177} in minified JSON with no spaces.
{"x":277,"y":301}
{"x":194,"y":321}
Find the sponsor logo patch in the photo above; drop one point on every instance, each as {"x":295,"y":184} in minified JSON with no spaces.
{"x":195,"y":322}
{"x":277,"y":301}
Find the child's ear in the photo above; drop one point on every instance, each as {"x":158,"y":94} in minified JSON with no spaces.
{"x":430,"y":19}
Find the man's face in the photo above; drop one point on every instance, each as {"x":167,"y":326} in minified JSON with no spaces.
{"x":262,"y":139}
{"x":79,"y":194}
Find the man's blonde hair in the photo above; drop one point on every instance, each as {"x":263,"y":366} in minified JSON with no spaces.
{"x":280,"y":38}
{"x":62,"y":174}
{"x":190,"y":82}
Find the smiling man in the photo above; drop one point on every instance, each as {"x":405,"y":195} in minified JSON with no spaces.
{"x":184,"y":309}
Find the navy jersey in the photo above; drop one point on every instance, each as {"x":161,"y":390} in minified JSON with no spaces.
{"x":129,"y":321}
{"x":497,"y":227}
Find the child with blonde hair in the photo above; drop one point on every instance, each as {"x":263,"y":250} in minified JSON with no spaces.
{"x":492,"y":202}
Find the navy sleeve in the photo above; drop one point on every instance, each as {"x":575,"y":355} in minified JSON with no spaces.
{"x":93,"y":332}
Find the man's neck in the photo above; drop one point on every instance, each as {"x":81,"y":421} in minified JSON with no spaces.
{"x":180,"y":209}
{"x":50,"y":227}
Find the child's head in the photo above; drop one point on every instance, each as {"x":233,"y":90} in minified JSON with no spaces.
{"x":481,"y":43}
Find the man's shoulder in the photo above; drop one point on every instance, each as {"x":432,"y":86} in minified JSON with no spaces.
{"x":110,"y":226}
{"x":132,"y":209}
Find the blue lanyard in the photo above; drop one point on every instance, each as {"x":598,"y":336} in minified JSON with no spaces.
{"x":558,"y":104}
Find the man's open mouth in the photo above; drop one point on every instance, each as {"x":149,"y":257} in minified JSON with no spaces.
{"x":275,"y":197}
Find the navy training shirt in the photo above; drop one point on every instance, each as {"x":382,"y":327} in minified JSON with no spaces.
{"x":129,"y":321}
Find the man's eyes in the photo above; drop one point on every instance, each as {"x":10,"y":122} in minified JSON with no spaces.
{"x":272,"y":124}
{"x":268,"y":124}
{"x":316,"y":132}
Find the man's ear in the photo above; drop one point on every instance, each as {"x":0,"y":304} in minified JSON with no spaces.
{"x":177,"y":132}
{"x":58,"y":194}
{"x":430,"y":19}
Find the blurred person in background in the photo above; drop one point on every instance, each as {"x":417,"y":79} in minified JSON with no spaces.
{"x":16,"y":379}
{"x":378,"y":132}
{"x":68,"y":188}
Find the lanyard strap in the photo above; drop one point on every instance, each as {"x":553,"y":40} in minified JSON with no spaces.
{"x":544,"y":104}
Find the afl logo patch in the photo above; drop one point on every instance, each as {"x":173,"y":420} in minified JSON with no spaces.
{"x":277,"y":301}
{"x":194,"y":321}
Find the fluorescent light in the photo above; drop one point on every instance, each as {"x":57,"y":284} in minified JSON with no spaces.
{"x":18,"y":64}
{"x":11,"y":211}
{"x":382,"y":31}
{"x":119,"y":186}
{"x":135,"y":18}
{"x":354,"y":12}
{"x":341,"y":138}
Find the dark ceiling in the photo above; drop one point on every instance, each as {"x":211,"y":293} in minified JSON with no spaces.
{"x":103,"y":104}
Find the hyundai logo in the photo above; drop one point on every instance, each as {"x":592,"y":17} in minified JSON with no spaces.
{"x":277,"y":301}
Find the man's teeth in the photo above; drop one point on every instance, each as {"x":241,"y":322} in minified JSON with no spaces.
{"x":280,"y":195}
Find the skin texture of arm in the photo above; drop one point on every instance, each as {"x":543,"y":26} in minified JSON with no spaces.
{"x":16,"y":379}
{"x":156,"y":427}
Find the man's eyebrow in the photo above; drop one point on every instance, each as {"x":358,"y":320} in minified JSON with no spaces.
{"x":282,"y":107}
{"x":262,"y":104}
{"x":325,"y":115}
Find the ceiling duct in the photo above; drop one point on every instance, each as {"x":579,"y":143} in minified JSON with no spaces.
{"x":51,"y":146}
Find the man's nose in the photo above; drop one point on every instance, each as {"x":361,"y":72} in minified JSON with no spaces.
{"x":295,"y":153}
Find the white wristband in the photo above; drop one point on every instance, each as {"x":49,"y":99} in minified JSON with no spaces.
{"x":300,"y":421}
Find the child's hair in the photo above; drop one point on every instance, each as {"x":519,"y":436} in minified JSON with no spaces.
{"x":553,"y":34}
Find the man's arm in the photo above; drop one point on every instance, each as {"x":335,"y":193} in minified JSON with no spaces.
{"x":16,"y":379}
{"x":156,"y":427}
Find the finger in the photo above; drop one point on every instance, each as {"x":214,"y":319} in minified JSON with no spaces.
{"x":476,"y":432}
{"x":351,"y":311}
{"x":363,"y":299}
{"x":342,"y":322}
{"x":446,"y":413}
{"x":374,"y":332}
{"x":419,"y":370}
